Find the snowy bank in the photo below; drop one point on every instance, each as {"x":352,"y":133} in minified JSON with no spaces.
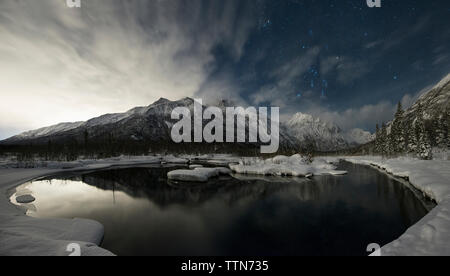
{"x":82,"y":163}
{"x":431,"y":235}
{"x":285,"y":166}
{"x":23,"y":235}
{"x":197,"y":174}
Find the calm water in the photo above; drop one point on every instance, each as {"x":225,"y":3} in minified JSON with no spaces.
{"x":144,"y":214}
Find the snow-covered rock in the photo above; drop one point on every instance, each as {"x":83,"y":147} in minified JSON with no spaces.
{"x":25,"y":199}
{"x":197,"y":175}
{"x":285,"y":166}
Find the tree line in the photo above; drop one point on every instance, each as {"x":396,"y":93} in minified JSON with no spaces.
{"x":415,"y":136}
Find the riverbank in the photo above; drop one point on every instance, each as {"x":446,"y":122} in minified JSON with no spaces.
{"x":431,"y":235}
{"x":21,"y":235}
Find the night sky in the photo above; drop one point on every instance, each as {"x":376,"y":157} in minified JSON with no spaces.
{"x":336,"y":59}
{"x":340,"y":55}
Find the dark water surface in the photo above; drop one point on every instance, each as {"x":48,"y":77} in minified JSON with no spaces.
{"x":145,"y":214}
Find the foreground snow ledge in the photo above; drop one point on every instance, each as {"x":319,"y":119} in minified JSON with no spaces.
{"x":431,"y":235}
{"x":21,"y":235}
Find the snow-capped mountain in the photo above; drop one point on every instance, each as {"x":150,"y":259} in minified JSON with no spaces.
{"x":150,"y":125}
{"x":309,"y":130}
{"x":434,"y":103}
{"x":421,"y":129}
{"x":358,"y":136}
{"x":138,"y":123}
{"x":324,"y":136}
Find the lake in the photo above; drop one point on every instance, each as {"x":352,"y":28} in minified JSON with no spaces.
{"x":145,"y":214}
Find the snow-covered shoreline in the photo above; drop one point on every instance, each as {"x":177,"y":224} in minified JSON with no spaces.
{"x":431,"y":235}
{"x":21,"y":235}
{"x":281,"y":165}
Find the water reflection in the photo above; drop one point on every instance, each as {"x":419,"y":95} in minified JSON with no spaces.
{"x":145,"y":214}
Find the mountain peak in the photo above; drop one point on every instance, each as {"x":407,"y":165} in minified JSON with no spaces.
{"x":162,"y":101}
{"x":443,"y":82}
{"x":301,"y":117}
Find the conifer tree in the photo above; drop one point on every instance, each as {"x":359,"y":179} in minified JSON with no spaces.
{"x":399,"y":130}
{"x":423,"y":139}
{"x":447,"y":127}
{"x":377,"y":139}
{"x":439,"y":131}
{"x":384,"y":140}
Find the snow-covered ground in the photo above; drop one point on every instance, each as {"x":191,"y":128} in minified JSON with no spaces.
{"x":22,"y":235}
{"x":285,"y":166}
{"x":431,"y":235}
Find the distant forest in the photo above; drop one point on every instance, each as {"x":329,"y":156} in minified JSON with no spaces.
{"x":413,"y":137}
{"x":110,"y":147}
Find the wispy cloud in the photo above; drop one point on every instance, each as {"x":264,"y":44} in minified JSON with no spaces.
{"x":60,"y":64}
{"x":283,"y":79}
{"x":366,"y":116}
{"x":346,"y":69}
{"x":398,"y":36}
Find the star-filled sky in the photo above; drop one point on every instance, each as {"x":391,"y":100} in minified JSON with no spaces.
{"x":336,"y":59}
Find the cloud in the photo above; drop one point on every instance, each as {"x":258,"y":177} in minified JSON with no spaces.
{"x":346,"y":69}
{"x":60,"y":64}
{"x":220,"y":87}
{"x":283,"y":80}
{"x":398,"y":36}
{"x":366,"y":116}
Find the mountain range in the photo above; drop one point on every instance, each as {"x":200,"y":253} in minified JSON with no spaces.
{"x":153,"y":123}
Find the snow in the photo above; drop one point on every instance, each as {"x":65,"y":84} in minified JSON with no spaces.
{"x":325,"y":136}
{"x":49,"y":130}
{"x":25,"y":199}
{"x":443,"y":82}
{"x":197,"y":174}
{"x":285,"y":166}
{"x":359,"y":136}
{"x":161,"y":107}
{"x":97,"y":163}
{"x":21,"y":235}
{"x":431,"y":235}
